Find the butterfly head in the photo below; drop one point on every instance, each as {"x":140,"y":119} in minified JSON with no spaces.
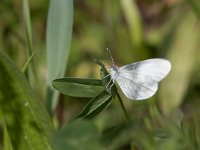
{"x":114,"y":72}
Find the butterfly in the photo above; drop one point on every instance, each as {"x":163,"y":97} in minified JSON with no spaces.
{"x":139,"y":80}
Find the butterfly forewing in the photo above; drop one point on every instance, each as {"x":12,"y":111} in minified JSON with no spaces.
{"x":140,"y":80}
{"x":155,"y":69}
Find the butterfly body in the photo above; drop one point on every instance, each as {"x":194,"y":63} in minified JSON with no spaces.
{"x":114,"y":72}
{"x":140,"y":80}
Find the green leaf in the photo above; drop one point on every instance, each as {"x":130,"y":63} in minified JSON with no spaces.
{"x":28,"y":124}
{"x":7,"y":145}
{"x":29,"y":42}
{"x":184,"y":45}
{"x":106,"y":79}
{"x":78,"y":87}
{"x":78,"y":135}
{"x":58,"y":41}
{"x":134,"y":21}
{"x":27,"y":27}
{"x":25,"y":67}
{"x":96,"y":105}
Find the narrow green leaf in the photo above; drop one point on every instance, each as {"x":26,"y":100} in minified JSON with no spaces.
{"x":78,"y":87}
{"x":58,"y":40}
{"x":28,"y":124}
{"x":27,"y":22}
{"x":184,"y":45}
{"x":7,"y":145}
{"x":78,"y":135}
{"x":25,"y":67}
{"x":28,"y":37}
{"x":134,"y":21}
{"x":96,"y":105}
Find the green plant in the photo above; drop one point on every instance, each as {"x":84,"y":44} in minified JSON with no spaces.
{"x":38,"y":51}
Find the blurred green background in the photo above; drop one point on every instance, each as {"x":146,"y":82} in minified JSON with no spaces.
{"x":133,"y":31}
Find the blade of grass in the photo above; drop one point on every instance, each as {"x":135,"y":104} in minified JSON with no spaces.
{"x":7,"y":145}
{"x":29,"y":42}
{"x":58,"y":40}
{"x":25,"y":67}
{"x":183,"y":54}
{"x":27,"y":23}
{"x":28,"y":123}
{"x":133,"y":19}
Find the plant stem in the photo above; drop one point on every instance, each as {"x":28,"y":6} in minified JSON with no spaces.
{"x":123,"y":108}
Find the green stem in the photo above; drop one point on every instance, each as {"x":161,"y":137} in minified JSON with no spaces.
{"x":123,"y":108}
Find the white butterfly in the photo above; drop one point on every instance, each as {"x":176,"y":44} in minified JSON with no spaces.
{"x":140,"y":80}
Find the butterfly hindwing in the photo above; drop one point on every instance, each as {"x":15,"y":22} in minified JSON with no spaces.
{"x":137,"y":90}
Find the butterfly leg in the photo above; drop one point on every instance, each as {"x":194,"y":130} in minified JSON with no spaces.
{"x":112,"y":85}
{"x":108,"y":83}
{"x":106,"y":76}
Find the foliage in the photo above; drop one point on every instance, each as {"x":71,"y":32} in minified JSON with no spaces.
{"x":43,"y":58}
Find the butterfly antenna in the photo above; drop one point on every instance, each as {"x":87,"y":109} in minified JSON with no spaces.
{"x":109,"y":52}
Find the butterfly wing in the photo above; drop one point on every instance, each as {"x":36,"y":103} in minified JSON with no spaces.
{"x":140,"y":80}
{"x":137,"y":90}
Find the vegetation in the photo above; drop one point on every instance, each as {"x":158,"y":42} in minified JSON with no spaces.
{"x":53,"y":62}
